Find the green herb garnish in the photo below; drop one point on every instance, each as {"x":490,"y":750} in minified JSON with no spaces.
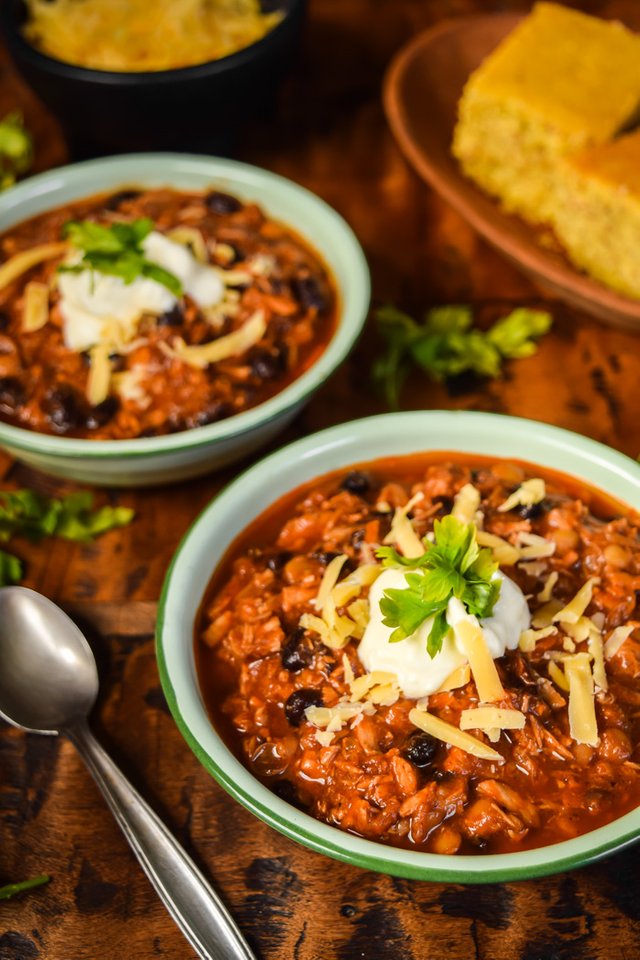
{"x":16,"y":149}
{"x":31,"y":515}
{"x":12,"y":889}
{"x":117,"y":251}
{"x":452,"y":566}
{"x":446,"y":345}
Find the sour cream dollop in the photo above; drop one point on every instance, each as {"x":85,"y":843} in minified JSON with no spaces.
{"x":89,"y":299}
{"x":419,"y":674}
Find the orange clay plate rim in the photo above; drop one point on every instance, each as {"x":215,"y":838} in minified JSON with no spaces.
{"x":422,"y":119}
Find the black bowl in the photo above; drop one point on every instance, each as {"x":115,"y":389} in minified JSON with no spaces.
{"x":191,"y":108}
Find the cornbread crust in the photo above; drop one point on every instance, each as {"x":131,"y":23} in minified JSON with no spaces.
{"x":561,"y":81}
{"x":597,"y":214}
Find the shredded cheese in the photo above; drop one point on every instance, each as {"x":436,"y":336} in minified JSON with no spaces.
{"x":329,"y":579}
{"x":402,"y":532}
{"x":616,"y":638}
{"x":201,"y":355}
{"x":483,"y":668}
{"x":528,"y":493}
{"x":545,"y":594}
{"x":503,"y":552}
{"x":491,"y":718}
{"x":558,"y":676}
{"x":596,"y":649}
{"x":582,"y":714}
{"x":351,"y":586}
{"x":99,"y":374}
{"x":446,"y":732}
{"x":36,"y":306}
{"x":574,"y":610}
{"x":361,"y":685}
{"x":533,"y":547}
{"x":19,"y":263}
{"x":458,"y":678}
{"x":190,"y":237}
{"x":529,"y":638}
{"x":544,"y":616}
{"x":466,"y":503}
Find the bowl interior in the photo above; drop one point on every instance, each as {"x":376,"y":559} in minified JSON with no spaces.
{"x":359,"y":441}
{"x":421,"y":93}
{"x":281,"y":199}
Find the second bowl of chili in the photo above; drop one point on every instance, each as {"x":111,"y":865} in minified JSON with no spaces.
{"x":166,"y":314}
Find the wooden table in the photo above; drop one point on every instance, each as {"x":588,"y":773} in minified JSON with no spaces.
{"x":329,"y":133}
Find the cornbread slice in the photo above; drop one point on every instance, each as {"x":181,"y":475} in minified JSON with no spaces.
{"x":561,"y":81}
{"x":597,"y":214}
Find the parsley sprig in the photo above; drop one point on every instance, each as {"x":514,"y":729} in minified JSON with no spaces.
{"x":33,"y":516}
{"x":452,"y":566}
{"x":116,"y":250}
{"x":446,"y":344}
{"x":16,"y":149}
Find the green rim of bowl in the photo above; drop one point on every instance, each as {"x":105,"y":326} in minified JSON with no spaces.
{"x":183,"y":171}
{"x":341,"y":446}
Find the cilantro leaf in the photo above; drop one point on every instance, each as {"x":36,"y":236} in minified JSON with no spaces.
{"x":452,"y":566}
{"x":10,"y":569}
{"x":446,"y":344}
{"x":33,"y":516}
{"x":16,"y":149}
{"x":116,"y":251}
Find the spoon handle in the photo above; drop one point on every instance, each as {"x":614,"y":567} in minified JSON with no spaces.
{"x":193,"y":904}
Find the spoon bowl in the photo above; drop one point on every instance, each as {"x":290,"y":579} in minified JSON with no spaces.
{"x":49,"y":678}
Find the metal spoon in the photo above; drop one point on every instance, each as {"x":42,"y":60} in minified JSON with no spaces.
{"x":48,"y":684}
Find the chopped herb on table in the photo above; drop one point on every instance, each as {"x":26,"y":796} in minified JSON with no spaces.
{"x":12,"y":889}
{"x":452,"y":566}
{"x":446,"y":344}
{"x":31,"y":515}
{"x":116,"y":251}
{"x":16,"y":149}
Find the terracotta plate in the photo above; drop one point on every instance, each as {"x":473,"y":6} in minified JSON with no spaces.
{"x":421,"y":92}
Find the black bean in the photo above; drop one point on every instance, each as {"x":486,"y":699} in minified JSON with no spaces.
{"x":295,"y":654}
{"x":308,"y":292}
{"x":298,"y":702}
{"x":532,"y":510}
{"x":117,"y":199}
{"x":445,"y":503}
{"x":222,"y":202}
{"x":421,"y":750}
{"x":101,"y":414}
{"x":287,"y":792}
{"x":213,"y":413}
{"x":64,"y":408}
{"x":356,"y":482}
{"x":171,"y":318}
{"x":358,"y":536}
{"x":4,"y":320}
{"x":12,"y":394}
{"x":325,"y":556}
{"x":267,"y":365}
{"x":278,"y":560}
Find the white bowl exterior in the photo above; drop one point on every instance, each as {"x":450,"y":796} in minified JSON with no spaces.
{"x":190,"y":452}
{"x":262,"y":485}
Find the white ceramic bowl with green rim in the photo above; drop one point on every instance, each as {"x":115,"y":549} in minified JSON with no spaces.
{"x":152,"y":460}
{"x":263,"y":484}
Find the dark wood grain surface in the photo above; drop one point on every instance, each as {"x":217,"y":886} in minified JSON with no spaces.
{"x":329,"y":133}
